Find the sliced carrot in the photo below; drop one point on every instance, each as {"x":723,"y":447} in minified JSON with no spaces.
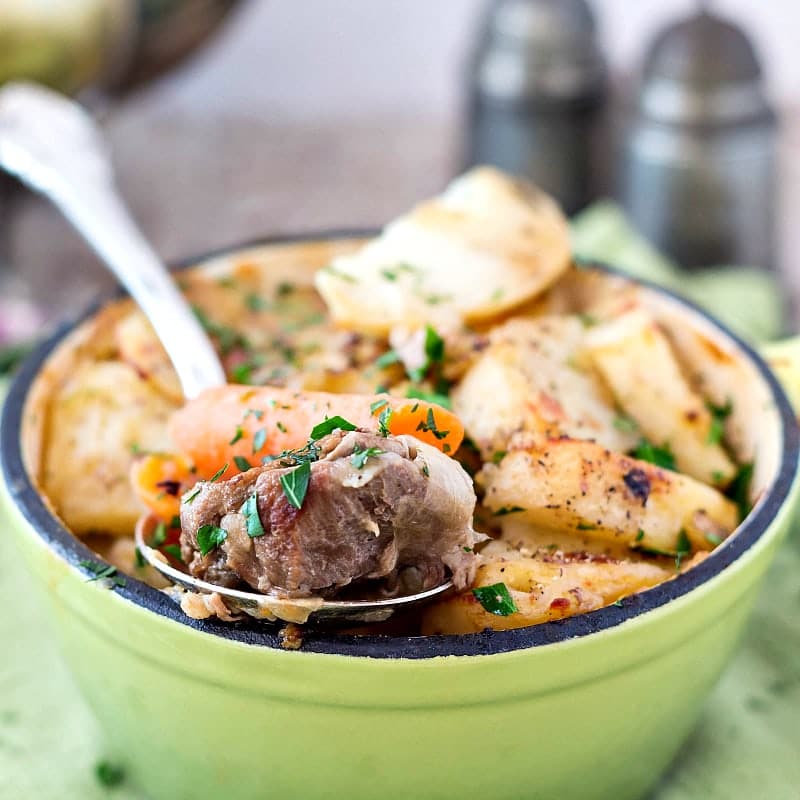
{"x":159,"y":480}
{"x":239,"y":425}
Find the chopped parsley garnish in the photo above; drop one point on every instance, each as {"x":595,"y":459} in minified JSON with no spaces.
{"x":218,"y":473}
{"x":209,"y":537}
{"x":259,"y":440}
{"x":174,"y":550}
{"x":242,"y":464}
{"x":425,"y":471}
{"x":342,"y":276}
{"x":501,"y":512}
{"x":360,"y":455}
{"x":237,"y":435}
{"x":253,"y":520}
{"x":378,"y":404}
{"x":429,"y":397}
{"x":617,"y":603}
{"x":429,"y":426}
{"x":387,"y":359}
{"x":284,"y":289}
{"x":256,"y":412}
{"x":383,"y":421}
{"x":718,"y":416}
{"x":280,"y":426}
{"x":640,"y":535}
{"x":109,"y":774}
{"x":625,"y":424}
{"x":496,"y":599}
{"x":588,"y":320}
{"x":586,"y":526}
{"x":739,"y":489}
{"x":434,"y":354}
{"x":714,"y":539}
{"x":389,"y":274}
{"x":329,"y":425}
{"x":175,"y":522}
{"x":228,"y":338}
{"x":139,"y":559}
{"x":498,"y":456}
{"x":497,"y":295}
{"x":682,"y":549}
{"x":159,"y":535}
{"x":255,"y":302}
{"x":102,"y":571}
{"x":190,"y":497}
{"x":295,"y":484}
{"x":660,"y":456}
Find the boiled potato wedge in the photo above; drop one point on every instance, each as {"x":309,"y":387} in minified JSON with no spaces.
{"x":574,"y":485}
{"x":99,"y":418}
{"x":636,"y":360}
{"x":486,"y":245}
{"x":542,"y":590}
{"x":529,"y":379}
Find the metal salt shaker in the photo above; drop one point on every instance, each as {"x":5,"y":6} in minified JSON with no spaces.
{"x":538,"y":85}
{"x":699,"y":164}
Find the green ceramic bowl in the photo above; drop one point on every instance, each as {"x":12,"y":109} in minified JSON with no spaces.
{"x":594,"y":706}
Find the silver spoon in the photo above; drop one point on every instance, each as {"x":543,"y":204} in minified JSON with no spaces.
{"x":51,"y":144}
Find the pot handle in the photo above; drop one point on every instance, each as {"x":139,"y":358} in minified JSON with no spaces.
{"x":784,"y":359}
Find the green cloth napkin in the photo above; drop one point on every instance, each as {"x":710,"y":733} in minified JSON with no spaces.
{"x":747,"y":744}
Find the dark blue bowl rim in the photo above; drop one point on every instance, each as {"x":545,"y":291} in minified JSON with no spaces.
{"x":53,"y":533}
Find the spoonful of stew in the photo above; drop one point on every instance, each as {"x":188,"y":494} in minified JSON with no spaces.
{"x":353,"y":518}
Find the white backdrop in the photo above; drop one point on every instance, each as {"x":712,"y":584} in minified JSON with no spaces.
{"x":323,"y":59}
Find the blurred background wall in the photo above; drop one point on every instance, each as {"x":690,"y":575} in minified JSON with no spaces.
{"x":336,"y":113}
{"x":317,"y":59}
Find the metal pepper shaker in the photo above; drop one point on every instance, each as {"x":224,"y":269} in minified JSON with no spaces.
{"x":699,"y":162}
{"x":537,"y":89}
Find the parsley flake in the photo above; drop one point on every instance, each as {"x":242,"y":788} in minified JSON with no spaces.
{"x":209,"y":537}
{"x":237,"y":435}
{"x":252,"y":518}
{"x":329,"y":425}
{"x":101,"y":572}
{"x":502,"y":512}
{"x":496,"y":599}
{"x":109,"y":774}
{"x":360,"y":455}
{"x":242,"y":464}
{"x":387,"y":359}
{"x":384,"y":420}
{"x":218,"y":473}
{"x":295,"y":484}
{"x":378,"y":404}
{"x":660,"y":456}
{"x":259,"y":439}
{"x":429,"y":426}
{"x":174,"y":550}
{"x":256,"y":412}
{"x":719,"y":414}
{"x":625,"y":424}
{"x":682,"y":549}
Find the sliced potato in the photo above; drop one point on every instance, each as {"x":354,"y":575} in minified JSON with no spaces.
{"x":101,"y":415}
{"x":486,"y":245}
{"x":636,"y":360}
{"x":529,"y":379}
{"x":139,"y":346}
{"x":579,"y":486}
{"x":542,"y":590}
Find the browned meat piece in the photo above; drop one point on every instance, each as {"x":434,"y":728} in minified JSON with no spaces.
{"x":405,"y":513}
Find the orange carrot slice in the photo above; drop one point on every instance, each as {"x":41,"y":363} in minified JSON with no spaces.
{"x":239,"y":425}
{"x":159,"y":480}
